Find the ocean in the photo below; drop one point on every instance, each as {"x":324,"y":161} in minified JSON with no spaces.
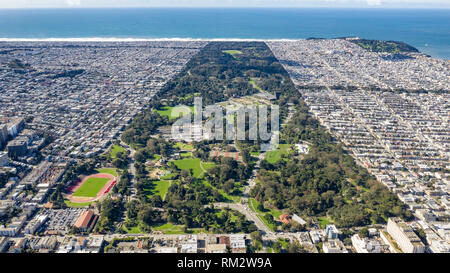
{"x":427,"y":30}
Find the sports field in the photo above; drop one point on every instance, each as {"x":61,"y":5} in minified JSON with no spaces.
{"x":91,"y":187}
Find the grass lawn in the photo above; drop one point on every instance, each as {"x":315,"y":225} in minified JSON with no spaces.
{"x":276,"y":213}
{"x":208,"y":165}
{"x":169,"y":228}
{"x":116,"y":149}
{"x":110,"y":171}
{"x":190,"y":163}
{"x":76,"y":205}
{"x":91,"y":187}
{"x":183,"y":146}
{"x":132,"y":230}
{"x":156,"y":158}
{"x":161,"y":188}
{"x":254,"y":205}
{"x":168,"y":176}
{"x":324,"y":221}
{"x":232,"y":52}
{"x":167,"y":111}
{"x":274,"y":156}
{"x":186,"y":154}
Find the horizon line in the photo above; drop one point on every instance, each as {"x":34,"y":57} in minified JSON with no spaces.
{"x":237,"y":7}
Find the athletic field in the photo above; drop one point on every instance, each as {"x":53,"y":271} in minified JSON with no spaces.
{"x":91,"y":187}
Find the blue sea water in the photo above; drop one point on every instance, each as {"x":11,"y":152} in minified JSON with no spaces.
{"x":427,"y":30}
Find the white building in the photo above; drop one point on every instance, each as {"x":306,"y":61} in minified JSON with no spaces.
{"x":439,"y":246}
{"x":237,"y":242}
{"x":334,"y":246}
{"x":315,"y":236}
{"x":364,"y":245}
{"x":34,"y":224}
{"x":405,"y":237}
{"x":189,"y":248}
{"x":331,"y":232}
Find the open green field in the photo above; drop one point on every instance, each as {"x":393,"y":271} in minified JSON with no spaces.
{"x":208,"y":165}
{"x":169,"y":228}
{"x":190,"y":163}
{"x":156,"y":158}
{"x":91,"y":187}
{"x":76,"y":205}
{"x":233,"y":52}
{"x":132,"y":230}
{"x":274,"y":156}
{"x":161,"y":187}
{"x":324,"y":221}
{"x":110,"y":171}
{"x":183,"y":146}
{"x":168,"y":176}
{"x":186,"y":154}
{"x":116,"y":149}
{"x":167,"y":111}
